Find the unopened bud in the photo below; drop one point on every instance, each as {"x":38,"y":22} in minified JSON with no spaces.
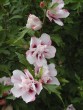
{"x":42,"y":4}
{"x":2,"y":102}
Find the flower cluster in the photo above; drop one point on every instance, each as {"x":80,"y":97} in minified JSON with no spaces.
{"x":24,"y":84}
{"x":27,"y":86}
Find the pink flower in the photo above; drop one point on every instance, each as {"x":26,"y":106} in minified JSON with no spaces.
{"x":25,"y":85}
{"x":5,"y":80}
{"x":57,"y":12}
{"x":34,"y":22}
{"x":40,"y":48}
{"x":70,"y":107}
{"x":48,"y":74}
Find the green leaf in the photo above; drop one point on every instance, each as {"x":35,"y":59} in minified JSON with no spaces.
{"x":1,"y":28}
{"x":58,"y":40}
{"x":63,"y":80}
{"x":15,"y":17}
{"x":22,"y":34}
{"x":3,"y":1}
{"x":22,"y":59}
{"x":3,"y":51}
{"x":50,"y":88}
{"x":53,"y":88}
{"x":10,"y":97}
{"x":4,"y":68}
{"x":4,"y":88}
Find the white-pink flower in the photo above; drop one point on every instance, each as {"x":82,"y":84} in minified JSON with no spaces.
{"x":40,"y":49}
{"x":48,"y":75}
{"x":25,"y":85}
{"x":70,"y":107}
{"x":33,"y":22}
{"x":5,"y":80}
{"x":57,"y":12}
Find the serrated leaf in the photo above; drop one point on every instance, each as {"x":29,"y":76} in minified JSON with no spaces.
{"x":50,"y":88}
{"x":22,"y":59}
{"x":53,"y":88}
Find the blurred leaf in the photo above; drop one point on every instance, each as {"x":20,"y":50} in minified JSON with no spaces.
{"x":58,"y":40}
{"x":22,"y":59}
{"x":29,"y":31}
{"x":15,"y":17}
{"x":53,"y":88}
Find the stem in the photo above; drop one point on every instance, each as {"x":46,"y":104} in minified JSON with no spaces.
{"x":44,"y":17}
{"x":43,"y":21}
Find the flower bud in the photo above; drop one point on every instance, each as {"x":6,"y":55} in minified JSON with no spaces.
{"x":2,"y":101}
{"x":42,"y":4}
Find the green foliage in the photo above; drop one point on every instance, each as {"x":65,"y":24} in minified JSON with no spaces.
{"x":68,"y":40}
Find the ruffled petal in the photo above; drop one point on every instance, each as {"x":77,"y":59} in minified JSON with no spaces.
{"x":52,"y":70}
{"x":45,"y":39}
{"x":17,"y":92}
{"x":34,"y":42}
{"x":16,"y":78}
{"x":51,"y":52}
{"x":54,"y":81}
{"x":62,"y":13}
{"x":29,"y":57}
{"x":28,"y":97}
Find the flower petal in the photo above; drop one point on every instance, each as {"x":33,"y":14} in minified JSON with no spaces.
{"x":51,"y":52}
{"x":60,"y":3}
{"x":45,"y":39}
{"x":28,"y":97}
{"x":52,"y":70}
{"x":62,"y":13}
{"x":54,"y":81}
{"x":34,"y":42}
{"x":38,"y":87}
{"x":16,"y":78}
{"x":59,"y":22}
{"x":28,"y":74}
{"x":41,"y":62}
{"x":29,"y":57}
{"x":17,"y":92}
